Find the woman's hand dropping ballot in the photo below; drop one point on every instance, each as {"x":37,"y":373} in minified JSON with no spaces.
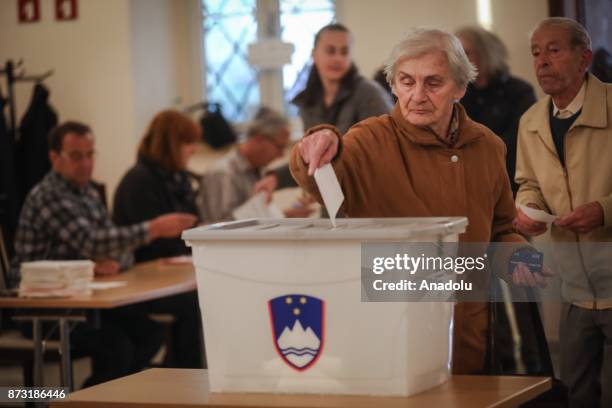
{"x":318,"y":149}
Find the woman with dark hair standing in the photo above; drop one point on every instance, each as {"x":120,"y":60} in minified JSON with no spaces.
{"x":335,"y":94}
{"x":159,"y":183}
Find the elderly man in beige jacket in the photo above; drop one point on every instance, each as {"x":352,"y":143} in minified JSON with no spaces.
{"x":564,"y":167}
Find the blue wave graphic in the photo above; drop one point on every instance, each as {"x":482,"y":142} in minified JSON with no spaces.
{"x":300,"y":349}
{"x":300,"y":353}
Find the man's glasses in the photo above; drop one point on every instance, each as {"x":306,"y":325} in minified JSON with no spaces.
{"x":78,"y":156}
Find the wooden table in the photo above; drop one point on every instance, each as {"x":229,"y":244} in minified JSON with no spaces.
{"x":145,"y":281}
{"x":189,"y":388}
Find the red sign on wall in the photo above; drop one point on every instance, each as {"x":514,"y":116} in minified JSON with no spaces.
{"x":66,"y":10}
{"x":28,"y":11}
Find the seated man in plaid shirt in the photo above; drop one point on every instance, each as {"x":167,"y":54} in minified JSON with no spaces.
{"x":64,"y":218}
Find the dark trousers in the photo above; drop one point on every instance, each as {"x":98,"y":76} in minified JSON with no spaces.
{"x":586,"y":356}
{"x":187,"y":344}
{"x":123,"y":344}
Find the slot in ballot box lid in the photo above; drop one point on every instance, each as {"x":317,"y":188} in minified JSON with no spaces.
{"x":321,"y":229}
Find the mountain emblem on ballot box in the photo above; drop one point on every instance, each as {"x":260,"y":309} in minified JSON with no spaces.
{"x":297,"y":323}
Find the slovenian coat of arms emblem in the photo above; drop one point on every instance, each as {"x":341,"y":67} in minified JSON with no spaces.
{"x":298,"y":324}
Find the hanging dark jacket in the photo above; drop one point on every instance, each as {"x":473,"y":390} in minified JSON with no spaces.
{"x":9,"y":207}
{"x":32,"y":151}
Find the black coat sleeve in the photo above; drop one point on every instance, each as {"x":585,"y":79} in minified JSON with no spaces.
{"x":522,"y":99}
{"x":141,"y":196}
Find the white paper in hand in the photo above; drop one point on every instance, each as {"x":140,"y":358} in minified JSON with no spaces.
{"x":538,"y":215}
{"x":330,"y":190}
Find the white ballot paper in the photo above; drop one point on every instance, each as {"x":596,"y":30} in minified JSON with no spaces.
{"x":538,"y":215}
{"x":106,"y":285}
{"x":330,"y":190}
{"x":256,"y":207}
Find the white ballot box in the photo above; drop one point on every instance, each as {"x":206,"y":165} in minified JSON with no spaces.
{"x":282,"y":310}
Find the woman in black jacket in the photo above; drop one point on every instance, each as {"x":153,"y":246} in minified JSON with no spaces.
{"x":159,"y":183}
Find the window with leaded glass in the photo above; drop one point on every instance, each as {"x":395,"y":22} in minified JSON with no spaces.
{"x":231,"y":25}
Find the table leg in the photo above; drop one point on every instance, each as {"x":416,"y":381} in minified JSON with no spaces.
{"x":94,"y":318}
{"x":38,"y":352}
{"x":39,"y":344}
{"x":66,"y":363}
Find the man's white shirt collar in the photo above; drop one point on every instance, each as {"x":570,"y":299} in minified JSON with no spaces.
{"x":575,"y":105}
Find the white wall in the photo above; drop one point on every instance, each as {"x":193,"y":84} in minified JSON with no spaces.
{"x":115,"y":66}
{"x":92,"y":63}
{"x":154,"y":56}
{"x":513,"y":22}
{"x":124,"y":60}
{"x":378,"y":25}
{"x":163,"y":74}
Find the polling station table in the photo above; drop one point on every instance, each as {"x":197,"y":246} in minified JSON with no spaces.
{"x":143,"y":282}
{"x":181,"y":388}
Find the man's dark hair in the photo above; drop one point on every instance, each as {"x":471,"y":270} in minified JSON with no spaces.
{"x":57,"y":134}
{"x":330,"y":27}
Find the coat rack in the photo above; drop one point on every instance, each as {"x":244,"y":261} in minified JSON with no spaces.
{"x":12,"y":77}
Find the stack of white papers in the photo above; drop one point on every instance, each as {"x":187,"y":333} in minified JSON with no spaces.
{"x":56,"y":278}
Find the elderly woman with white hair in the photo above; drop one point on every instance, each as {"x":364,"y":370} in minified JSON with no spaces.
{"x":426,"y":158}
